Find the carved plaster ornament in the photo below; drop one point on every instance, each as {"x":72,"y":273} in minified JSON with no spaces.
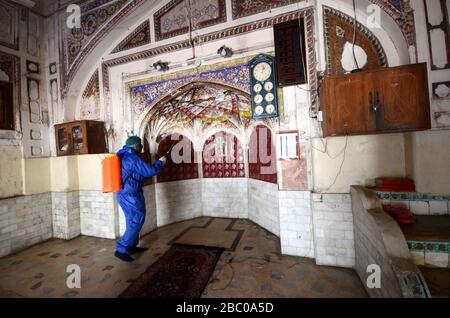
{"x":442,"y":91}
{"x":340,"y":32}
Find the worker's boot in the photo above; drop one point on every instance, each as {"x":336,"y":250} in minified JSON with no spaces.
{"x":123,"y":257}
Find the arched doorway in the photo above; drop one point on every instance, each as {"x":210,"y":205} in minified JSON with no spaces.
{"x":181,"y":163}
{"x":262,"y":155}
{"x":223,"y":157}
{"x":214,"y":122}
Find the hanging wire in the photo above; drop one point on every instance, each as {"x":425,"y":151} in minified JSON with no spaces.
{"x":342,"y":164}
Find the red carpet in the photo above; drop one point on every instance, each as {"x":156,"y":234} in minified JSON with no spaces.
{"x":182,"y":272}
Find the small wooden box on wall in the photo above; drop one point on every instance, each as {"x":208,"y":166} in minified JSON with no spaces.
{"x":80,"y":138}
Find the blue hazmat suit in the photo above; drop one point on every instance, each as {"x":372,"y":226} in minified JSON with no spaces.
{"x":131,"y":197}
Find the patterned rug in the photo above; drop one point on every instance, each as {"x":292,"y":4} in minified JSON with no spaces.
{"x":182,"y":272}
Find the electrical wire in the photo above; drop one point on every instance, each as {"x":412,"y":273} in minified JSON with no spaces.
{"x":190,"y":30}
{"x":340,"y":167}
{"x":325,"y":151}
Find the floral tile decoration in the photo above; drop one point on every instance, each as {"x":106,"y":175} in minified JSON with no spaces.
{"x":435,"y":247}
{"x":411,"y":196}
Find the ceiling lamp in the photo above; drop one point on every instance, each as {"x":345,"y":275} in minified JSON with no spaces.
{"x":225,"y":51}
{"x":161,"y":66}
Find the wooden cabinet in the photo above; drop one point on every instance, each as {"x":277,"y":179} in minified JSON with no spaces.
{"x":290,"y":55}
{"x":80,"y":137}
{"x":345,"y":105}
{"x":392,"y":99}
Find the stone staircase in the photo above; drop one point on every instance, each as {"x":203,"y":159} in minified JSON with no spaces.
{"x":429,"y":244}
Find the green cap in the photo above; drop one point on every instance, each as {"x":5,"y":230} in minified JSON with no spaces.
{"x":133,"y":141}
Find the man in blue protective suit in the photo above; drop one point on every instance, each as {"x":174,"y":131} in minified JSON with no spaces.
{"x":131,"y":197}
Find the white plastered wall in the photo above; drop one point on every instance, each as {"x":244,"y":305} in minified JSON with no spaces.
{"x":429,"y":151}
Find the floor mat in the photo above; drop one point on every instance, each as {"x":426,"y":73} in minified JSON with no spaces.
{"x":182,"y":272}
{"x":217,"y":232}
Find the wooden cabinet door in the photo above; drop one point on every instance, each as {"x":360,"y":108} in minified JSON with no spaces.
{"x":78,"y":132}
{"x":63,"y":140}
{"x":96,"y":137}
{"x":346,"y":104}
{"x":403,"y":98}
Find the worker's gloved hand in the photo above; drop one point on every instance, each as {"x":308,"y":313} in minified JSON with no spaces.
{"x":163,"y":159}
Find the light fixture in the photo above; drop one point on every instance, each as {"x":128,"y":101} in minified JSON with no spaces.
{"x":161,"y":66}
{"x":225,"y":51}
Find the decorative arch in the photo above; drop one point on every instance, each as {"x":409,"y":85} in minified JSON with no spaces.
{"x":338,"y":30}
{"x":90,"y":100}
{"x":262,"y":155}
{"x":401,"y":26}
{"x":196,"y":105}
{"x":97,"y":21}
{"x":223,"y":157}
{"x":138,"y":37}
{"x":403,"y":15}
{"x":390,"y":35}
{"x":181,"y":163}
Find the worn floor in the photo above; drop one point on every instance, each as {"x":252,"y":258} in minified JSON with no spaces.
{"x":251,"y":265}
{"x":438,"y":281}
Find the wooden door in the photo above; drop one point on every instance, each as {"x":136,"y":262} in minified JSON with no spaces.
{"x":403,"y":98}
{"x":346,"y":102}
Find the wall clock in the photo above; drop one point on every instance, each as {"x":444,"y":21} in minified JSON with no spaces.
{"x":263,"y":87}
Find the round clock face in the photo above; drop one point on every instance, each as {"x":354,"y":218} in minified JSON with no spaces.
{"x":270,"y":109}
{"x":262,"y":71}
{"x":258,"y":99}
{"x":257,"y":88}
{"x":259,"y":110}
{"x":269,"y":97}
{"x":268,"y":86}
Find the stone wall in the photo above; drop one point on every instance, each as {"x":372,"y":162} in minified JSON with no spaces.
{"x":263,"y":205}
{"x":25,"y":221}
{"x":296,"y":227}
{"x":177,"y":201}
{"x":150,"y":205}
{"x":98,"y":214}
{"x":66,"y":214}
{"x":379,"y":241}
{"x":333,"y":229}
{"x":226,"y":197}
{"x":309,"y":225}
